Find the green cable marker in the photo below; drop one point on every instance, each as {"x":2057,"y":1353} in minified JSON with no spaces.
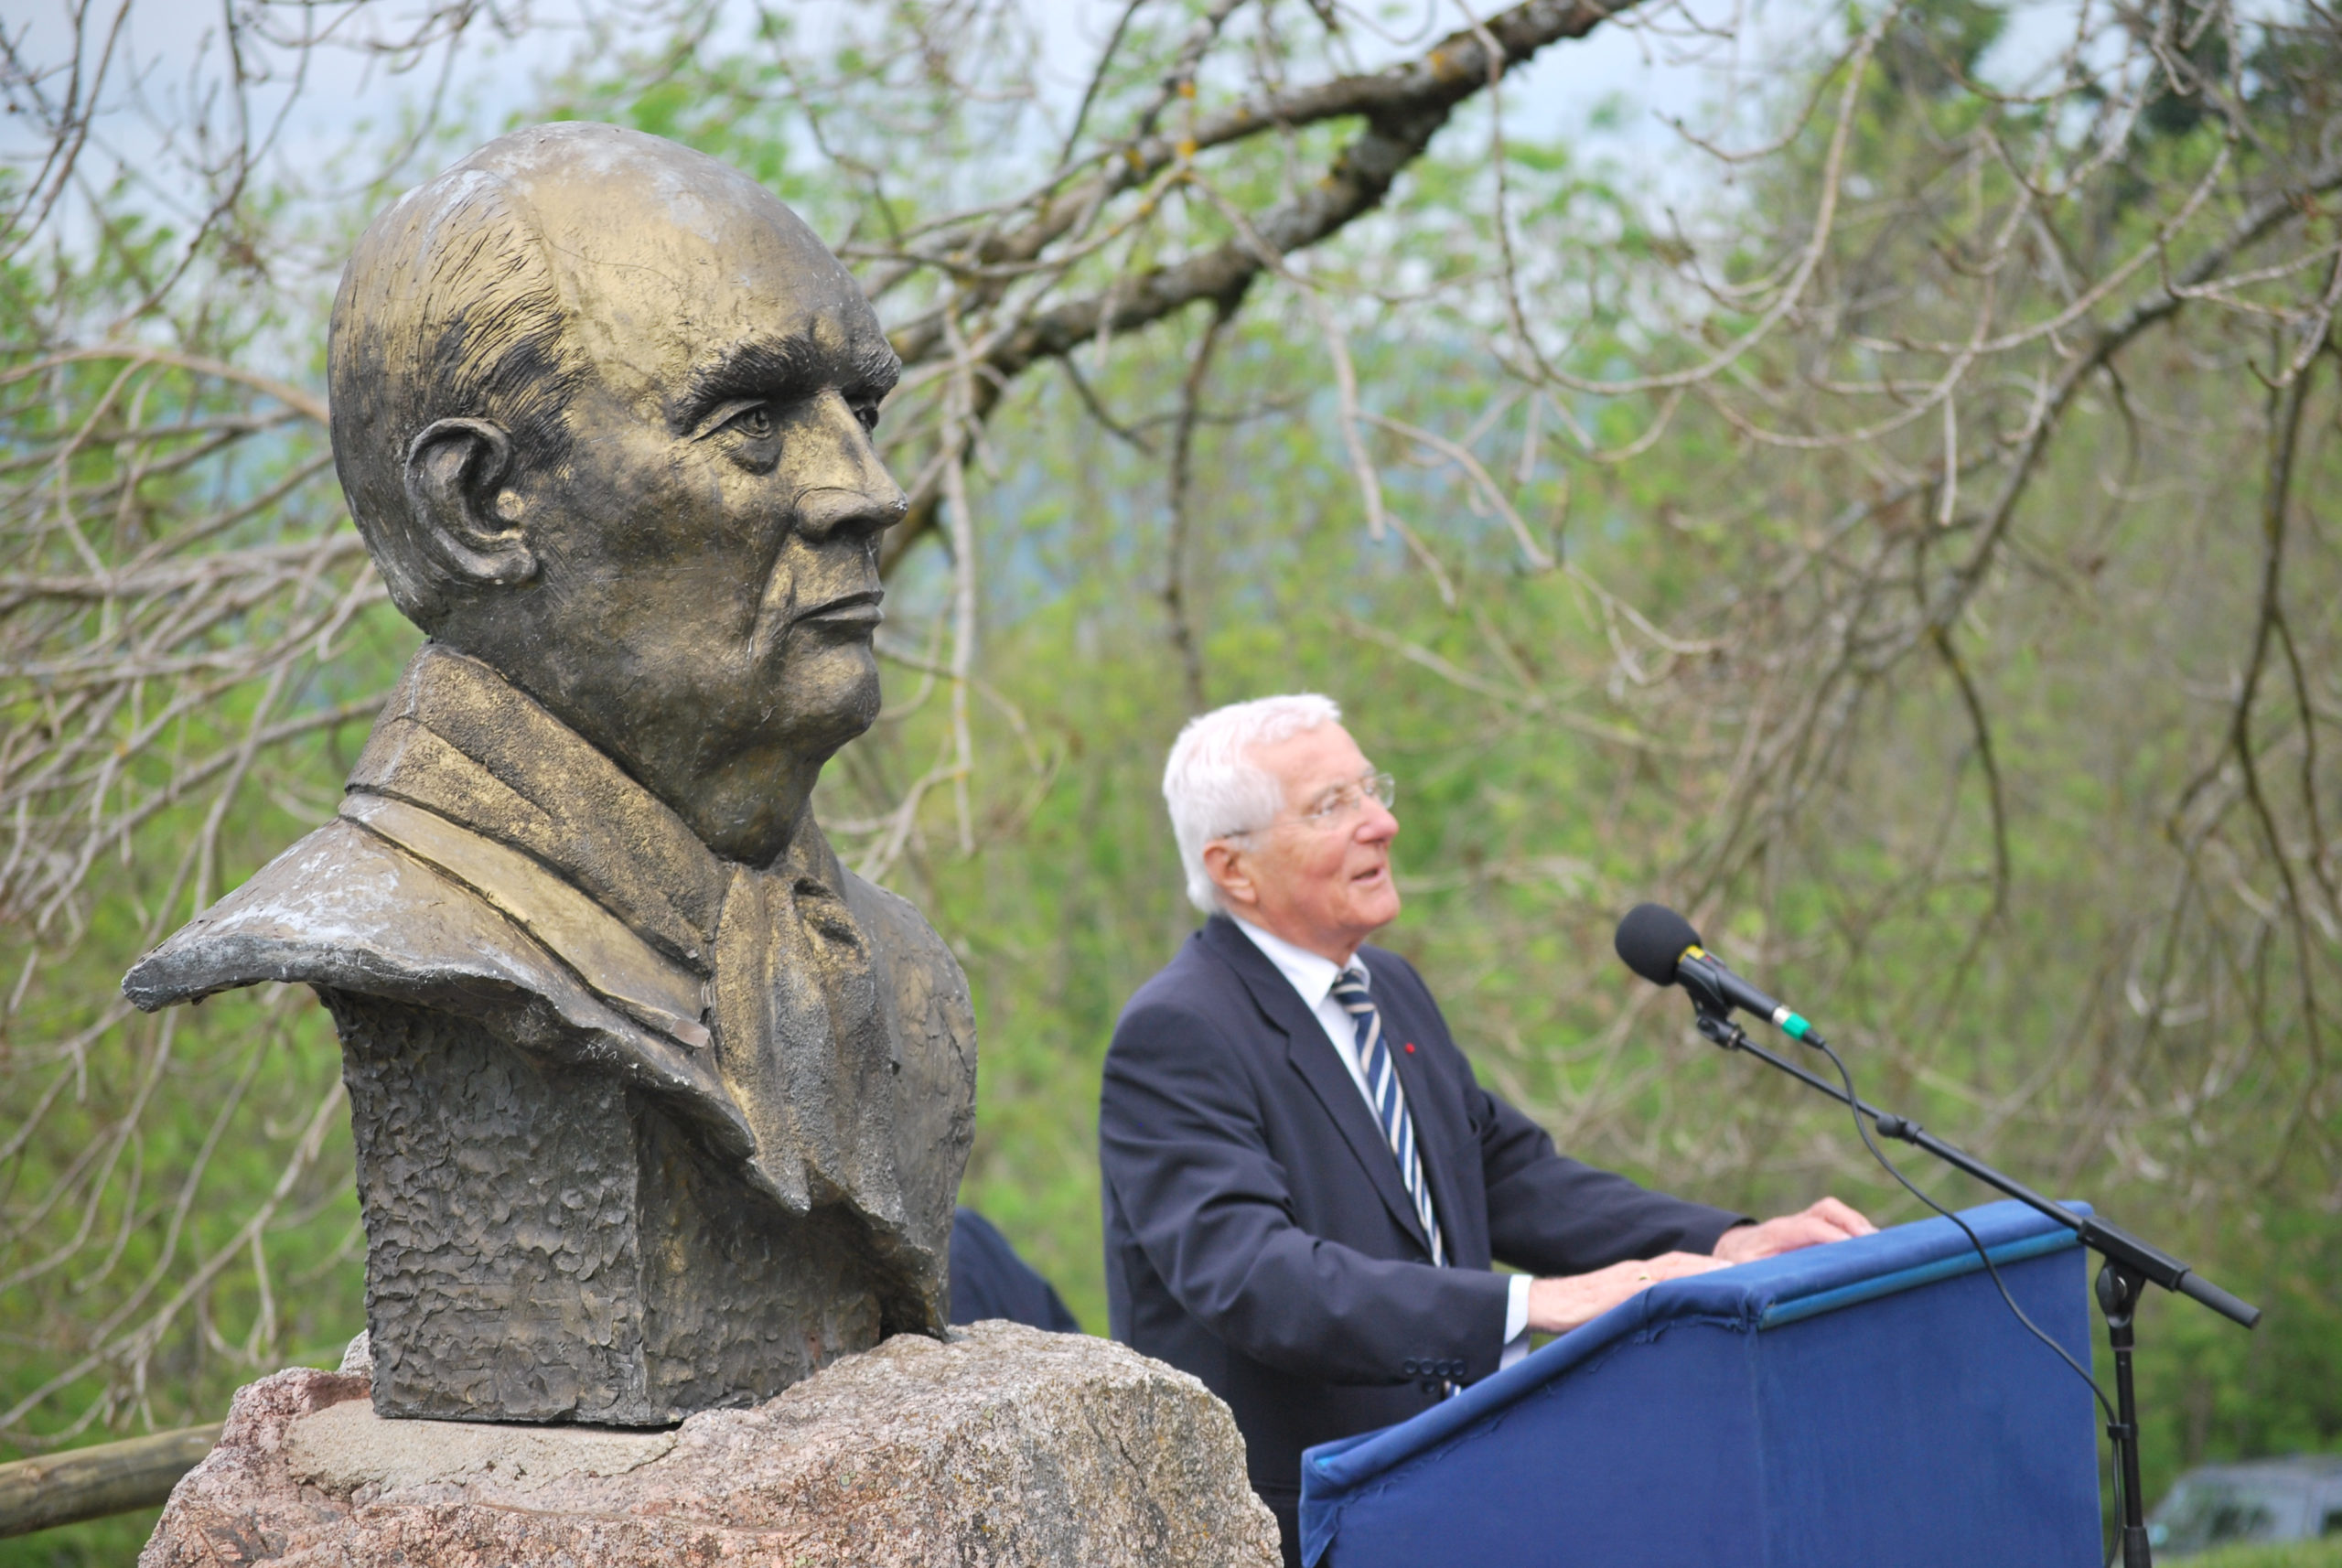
{"x":1788,"y":1023}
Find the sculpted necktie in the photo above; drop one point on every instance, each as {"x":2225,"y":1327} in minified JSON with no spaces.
{"x":802,"y":1041}
{"x":1389,"y":1100}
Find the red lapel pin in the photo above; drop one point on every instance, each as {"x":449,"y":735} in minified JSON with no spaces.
{"x":1410,"y":1048}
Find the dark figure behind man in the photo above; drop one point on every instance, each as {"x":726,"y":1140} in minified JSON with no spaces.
{"x":989,"y":1279}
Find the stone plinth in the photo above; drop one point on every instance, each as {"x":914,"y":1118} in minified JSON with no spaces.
{"x":1004,"y":1446}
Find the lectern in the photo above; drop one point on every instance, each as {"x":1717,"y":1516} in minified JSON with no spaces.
{"x":1872,"y":1403}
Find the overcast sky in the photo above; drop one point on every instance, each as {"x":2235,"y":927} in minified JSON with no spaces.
{"x":345,"y":91}
{"x":1649,"y":66}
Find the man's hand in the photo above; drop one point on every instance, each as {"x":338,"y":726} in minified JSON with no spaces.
{"x":1558,"y":1305}
{"x":1828,"y":1220}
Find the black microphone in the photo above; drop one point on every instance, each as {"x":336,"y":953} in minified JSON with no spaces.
{"x":1660,"y":945}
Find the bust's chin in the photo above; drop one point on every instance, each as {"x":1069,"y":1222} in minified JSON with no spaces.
{"x":831,"y":696}
{"x":746,"y":800}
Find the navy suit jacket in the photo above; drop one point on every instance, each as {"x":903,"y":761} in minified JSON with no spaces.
{"x":1257,"y":1232}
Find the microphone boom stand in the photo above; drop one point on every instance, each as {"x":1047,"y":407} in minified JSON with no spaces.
{"x":2131,"y":1263}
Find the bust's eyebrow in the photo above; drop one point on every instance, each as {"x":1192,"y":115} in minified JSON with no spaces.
{"x":783,"y":368}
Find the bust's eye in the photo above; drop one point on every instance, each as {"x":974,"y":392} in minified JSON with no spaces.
{"x":755,"y":422}
{"x":868,"y":414}
{"x":750,"y":417}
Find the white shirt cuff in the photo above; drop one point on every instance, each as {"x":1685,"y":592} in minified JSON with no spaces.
{"x":1516,"y":1321}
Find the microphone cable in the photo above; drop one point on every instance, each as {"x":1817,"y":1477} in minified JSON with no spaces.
{"x":1655,"y":943}
{"x":1846,"y":1078}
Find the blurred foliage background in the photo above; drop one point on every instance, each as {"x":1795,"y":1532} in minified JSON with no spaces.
{"x":1893,"y":521}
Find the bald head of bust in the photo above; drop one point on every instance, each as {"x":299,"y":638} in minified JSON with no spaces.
{"x":602,"y":409}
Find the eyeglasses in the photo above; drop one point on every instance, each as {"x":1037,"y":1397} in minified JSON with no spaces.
{"x":1345,"y":802}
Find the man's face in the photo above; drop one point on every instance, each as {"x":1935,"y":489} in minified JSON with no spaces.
{"x":709,"y":552}
{"x":1322,"y":885}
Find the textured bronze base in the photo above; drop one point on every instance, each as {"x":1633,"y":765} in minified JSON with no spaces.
{"x":545,"y":1246}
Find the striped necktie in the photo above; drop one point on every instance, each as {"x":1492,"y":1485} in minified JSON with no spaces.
{"x":1389,"y":1100}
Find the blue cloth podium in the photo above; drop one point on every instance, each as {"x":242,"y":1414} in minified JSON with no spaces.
{"x":1867,"y":1404}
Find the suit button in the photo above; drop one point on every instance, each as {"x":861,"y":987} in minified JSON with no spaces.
{"x":1454,"y":1368}
{"x":1410,"y":1366}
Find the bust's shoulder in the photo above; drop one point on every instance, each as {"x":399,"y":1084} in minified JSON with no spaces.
{"x":890,"y":918}
{"x":919,"y":965}
{"x":932,"y":1021}
{"x":344,"y":910}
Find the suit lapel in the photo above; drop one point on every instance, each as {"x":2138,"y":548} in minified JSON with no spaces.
{"x":1313,"y":1058}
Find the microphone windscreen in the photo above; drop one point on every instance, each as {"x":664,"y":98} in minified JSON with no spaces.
{"x":1651,"y":938}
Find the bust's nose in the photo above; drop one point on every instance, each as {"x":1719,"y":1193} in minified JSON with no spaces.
{"x":843,"y":489}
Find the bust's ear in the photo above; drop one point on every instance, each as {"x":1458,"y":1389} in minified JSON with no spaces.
{"x":455,"y":474}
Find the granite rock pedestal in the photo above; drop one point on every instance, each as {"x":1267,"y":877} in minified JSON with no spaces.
{"x":1002,"y":1445}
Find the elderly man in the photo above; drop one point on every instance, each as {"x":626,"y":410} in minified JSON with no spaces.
{"x":1304,"y":1185}
{"x":656,"y":1106}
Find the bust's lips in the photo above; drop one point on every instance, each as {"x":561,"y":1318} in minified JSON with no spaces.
{"x":847,"y":611}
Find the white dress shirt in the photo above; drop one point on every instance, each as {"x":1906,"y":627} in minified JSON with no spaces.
{"x":1313,"y":976}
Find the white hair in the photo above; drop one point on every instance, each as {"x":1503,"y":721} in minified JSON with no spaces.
{"x":1214,"y":788}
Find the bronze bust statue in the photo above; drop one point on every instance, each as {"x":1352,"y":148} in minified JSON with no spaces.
{"x":657,"y":1106}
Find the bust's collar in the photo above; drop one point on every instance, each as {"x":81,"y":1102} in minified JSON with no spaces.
{"x":458,"y":739}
